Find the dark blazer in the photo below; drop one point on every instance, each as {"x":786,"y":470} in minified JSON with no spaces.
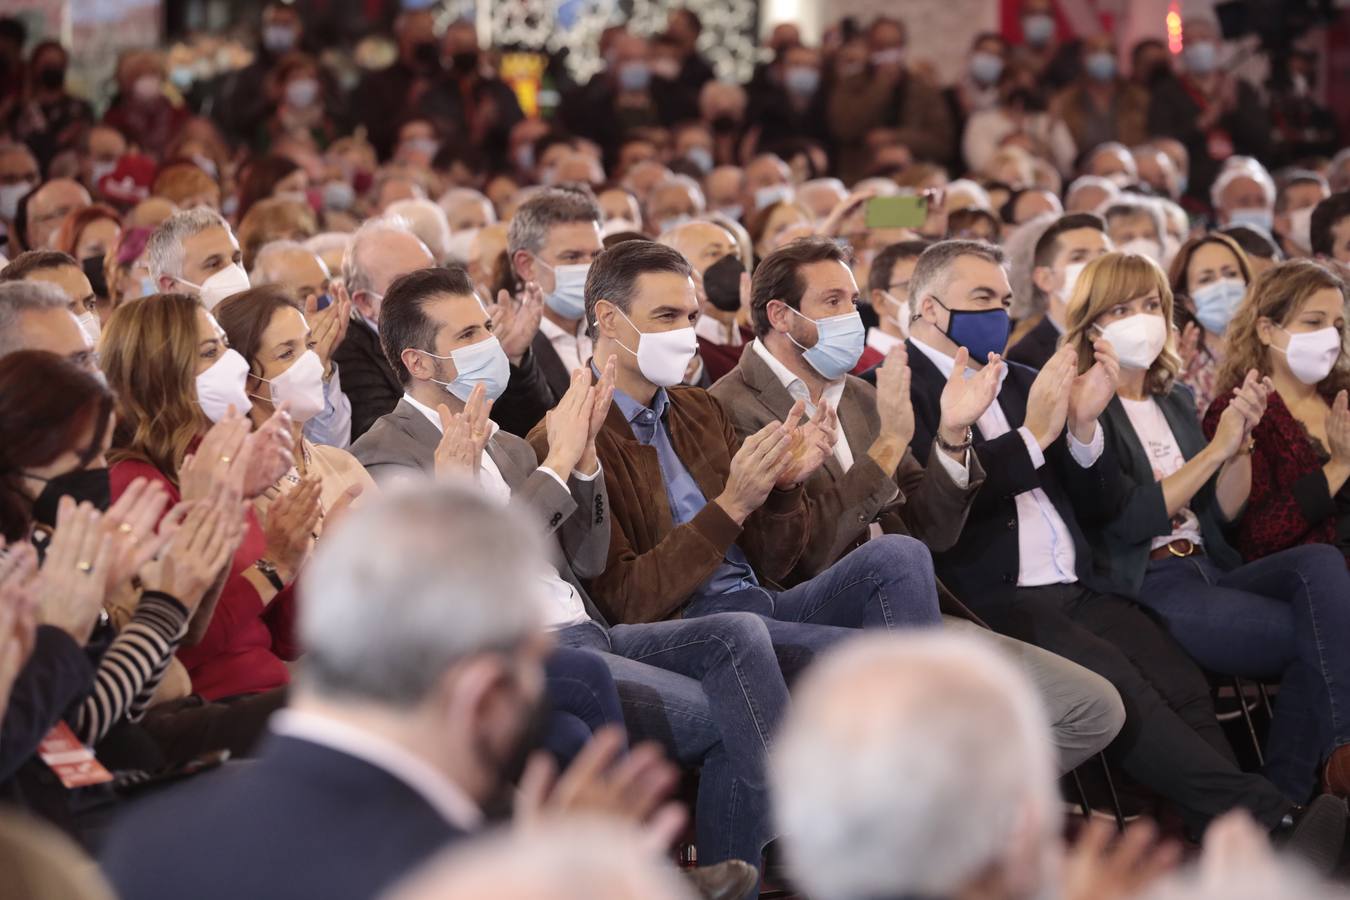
{"x":301,"y":820}
{"x":404,"y":442}
{"x":57,"y":674}
{"x":550,"y":368}
{"x":370,"y":383}
{"x":982,"y":568}
{"x":1036,"y":346}
{"x":1123,"y":525}
{"x":367,"y":378}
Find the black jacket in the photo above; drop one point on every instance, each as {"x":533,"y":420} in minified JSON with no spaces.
{"x":982,"y":568}
{"x":57,"y":674}
{"x":374,"y":390}
{"x":1036,"y":346}
{"x":302,"y":820}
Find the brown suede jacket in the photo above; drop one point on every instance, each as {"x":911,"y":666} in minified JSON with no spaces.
{"x":655,"y":566}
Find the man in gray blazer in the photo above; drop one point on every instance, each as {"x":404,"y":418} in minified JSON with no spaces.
{"x":872,"y":483}
{"x":709,"y":689}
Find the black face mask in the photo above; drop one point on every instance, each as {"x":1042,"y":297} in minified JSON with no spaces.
{"x":52,"y":77}
{"x":725,"y":124}
{"x":722,"y":283}
{"x":465,"y":61}
{"x":93,"y":270}
{"x":426,"y":56}
{"x":81,"y":485}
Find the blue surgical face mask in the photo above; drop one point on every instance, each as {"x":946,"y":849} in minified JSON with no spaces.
{"x":801,"y":80}
{"x":482,"y":363}
{"x":774,"y":193}
{"x":985,"y":68}
{"x":839,"y":344}
{"x":1257,"y":217}
{"x":701,"y":157}
{"x":1100,"y":66}
{"x":1038,"y":29}
{"x":338,"y":195}
{"x":568,"y":297}
{"x":1216,"y":302}
{"x":635,"y":76}
{"x":980,"y":332}
{"x":1201,"y":58}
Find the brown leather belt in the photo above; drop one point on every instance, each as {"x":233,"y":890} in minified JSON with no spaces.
{"x":1178,"y":549}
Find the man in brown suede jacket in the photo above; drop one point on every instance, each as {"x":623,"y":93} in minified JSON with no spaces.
{"x":703,"y":522}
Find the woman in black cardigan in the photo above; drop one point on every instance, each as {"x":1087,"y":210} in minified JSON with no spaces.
{"x":1158,"y":535}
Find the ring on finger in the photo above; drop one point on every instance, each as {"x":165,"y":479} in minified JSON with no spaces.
{"x":85,"y":566}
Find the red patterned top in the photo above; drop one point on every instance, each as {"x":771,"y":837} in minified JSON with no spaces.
{"x":1290,"y":503}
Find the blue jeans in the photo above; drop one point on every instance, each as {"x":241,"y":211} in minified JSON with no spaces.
{"x":1286,"y":617}
{"x":888,"y":582}
{"x":582,"y":697}
{"x":710,"y":691}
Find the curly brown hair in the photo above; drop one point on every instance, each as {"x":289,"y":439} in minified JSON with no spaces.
{"x":1278,"y":295}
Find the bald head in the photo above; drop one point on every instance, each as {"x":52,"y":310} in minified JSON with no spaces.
{"x":380,"y":251}
{"x":980,"y":805}
{"x":725,"y":188}
{"x":292,"y":266}
{"x":701,"y":242}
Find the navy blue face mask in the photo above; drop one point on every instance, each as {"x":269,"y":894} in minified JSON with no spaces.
{"x":981,"y":333}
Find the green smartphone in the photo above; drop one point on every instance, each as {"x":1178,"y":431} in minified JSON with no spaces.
{"x":896,"y":212}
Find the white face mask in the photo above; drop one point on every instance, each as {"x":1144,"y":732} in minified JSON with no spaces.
{"x":228,"y":281}
{"x":1143,"y":247}
{"x":222,"y":386}
{"x":1137,"y":339}
{"x":662,"y":356}
{"x":90,"y":325}
{"x":1071,"y":273}
{"x":896,"y":312}
{"x":300,"y":387}
{"x":774,"y":193}
{"x":1300,"y":228}
{"x":1312,"y":355}
{"x":460,"y":244}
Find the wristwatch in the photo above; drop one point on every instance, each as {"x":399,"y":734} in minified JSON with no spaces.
{"x":961,"y":447}
{"x":269,"y":571}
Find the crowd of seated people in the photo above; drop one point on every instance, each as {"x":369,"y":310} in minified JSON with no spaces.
{"x":814,"y":482}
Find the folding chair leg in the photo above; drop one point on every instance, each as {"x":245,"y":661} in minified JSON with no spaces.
{"x":1083,"y":803}
{"x":1111,"y":789}
{"x":1247,"y":720}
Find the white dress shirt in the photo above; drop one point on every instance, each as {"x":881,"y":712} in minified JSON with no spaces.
{"x":882,"y":342}
{"x":1045,"y":550}
{"x":575,"y":350}
{"x":563,"y":606}
{"x":440,"y":793}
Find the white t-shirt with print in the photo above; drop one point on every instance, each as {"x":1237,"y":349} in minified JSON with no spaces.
{"x":1164,"y":455}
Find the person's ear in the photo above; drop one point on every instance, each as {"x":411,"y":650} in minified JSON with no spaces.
{"x":468,"y":695}
{"x":606,"y":319}
{"x":1044,"y":278}
{"x":421,"y":366}
{"x":880,"y":302}
{"x":1264,"y":327}
{"x":928,"y":310}
{"x":524,"y":265}
{"x":166,"y":284}
{"x":779,"y":316}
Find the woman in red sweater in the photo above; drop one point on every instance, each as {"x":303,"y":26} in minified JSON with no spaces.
{"x":171,"y":369}
{"x":1292,"y":328}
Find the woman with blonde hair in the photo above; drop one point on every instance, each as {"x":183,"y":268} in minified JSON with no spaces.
{"x":174,"y":374}
{"x":1157,"y":526}
{"x":1292,"y":329}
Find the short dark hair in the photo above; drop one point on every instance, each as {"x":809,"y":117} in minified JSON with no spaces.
{"x":1326,"y":216}
{"x":879,"y":278}
{"x":778,"y":277}
{"x":1253,"y":242}
{"x":614,"y":273}
{"x":1048,"y":245}
{"x":403,"y":319}
{"x":30,"y":261}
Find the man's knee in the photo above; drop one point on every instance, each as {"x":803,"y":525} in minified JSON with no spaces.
{"x":898,"y":554}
